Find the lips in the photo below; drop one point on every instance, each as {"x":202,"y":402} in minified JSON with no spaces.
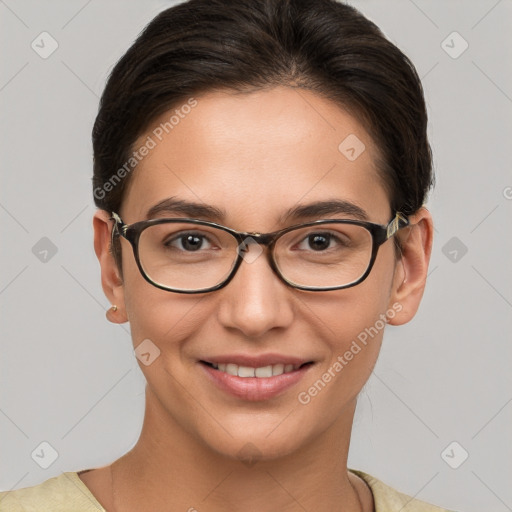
{"x":255,"y":378}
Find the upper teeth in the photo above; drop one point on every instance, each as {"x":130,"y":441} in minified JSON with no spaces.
{"x":263,"y":371}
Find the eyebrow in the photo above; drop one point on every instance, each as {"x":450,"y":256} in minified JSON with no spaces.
{"x":300,"y":212}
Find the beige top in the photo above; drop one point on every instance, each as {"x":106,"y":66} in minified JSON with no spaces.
{"x":67,"y":493}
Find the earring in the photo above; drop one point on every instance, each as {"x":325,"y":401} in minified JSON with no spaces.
{"x":111,"y":317}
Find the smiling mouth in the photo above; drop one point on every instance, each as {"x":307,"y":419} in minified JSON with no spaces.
{"x":261,"y":372}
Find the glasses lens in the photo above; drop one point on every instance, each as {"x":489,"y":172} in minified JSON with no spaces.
{"x":186,"y":256}
{"x":324,"y":255}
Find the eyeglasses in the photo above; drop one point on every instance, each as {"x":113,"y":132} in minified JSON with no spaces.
{"x":194,"y":256}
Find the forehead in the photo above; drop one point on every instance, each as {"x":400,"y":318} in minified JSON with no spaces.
{"x":256,"y":152}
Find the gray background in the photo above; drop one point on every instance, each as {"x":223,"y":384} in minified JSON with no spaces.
{"x":70,"y":378}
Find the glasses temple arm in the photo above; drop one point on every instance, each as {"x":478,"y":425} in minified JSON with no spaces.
{"x":399,"y":222}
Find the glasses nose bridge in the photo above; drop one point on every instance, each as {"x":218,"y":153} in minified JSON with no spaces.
{"x":264,"y":239}
{"x":261,"y":239}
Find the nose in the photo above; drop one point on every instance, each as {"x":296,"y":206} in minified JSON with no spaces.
{"x":255,"y":300}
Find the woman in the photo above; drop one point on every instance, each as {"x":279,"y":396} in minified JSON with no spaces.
{"x":260,"y":170}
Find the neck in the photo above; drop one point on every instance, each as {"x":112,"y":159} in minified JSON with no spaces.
{"x":168,"y":467}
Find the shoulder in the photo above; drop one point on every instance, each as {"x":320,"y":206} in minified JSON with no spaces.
{"x":387,"y":499}
{"x":63,"y":493}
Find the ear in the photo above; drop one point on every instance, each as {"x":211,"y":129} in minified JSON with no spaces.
{"x":411,"y":270}
{"x":111,"y":281}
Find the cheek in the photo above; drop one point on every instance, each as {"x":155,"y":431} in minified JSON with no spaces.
{"x":153,"y":313}
{"x":353,"y":323}
{"x":347,"y":314}
{"x":354,"y":336}
{"x":162,"y":317}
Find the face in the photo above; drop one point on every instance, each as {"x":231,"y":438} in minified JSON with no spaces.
{"x":254,"y":156}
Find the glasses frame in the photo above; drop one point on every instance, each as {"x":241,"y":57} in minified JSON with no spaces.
{"x":379,"y":233}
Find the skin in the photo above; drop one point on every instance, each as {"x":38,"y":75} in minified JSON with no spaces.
{"x":254,"y":155}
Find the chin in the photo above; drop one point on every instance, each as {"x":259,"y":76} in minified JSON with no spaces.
{"x":250,"y":451}
{"x":259,"y":443}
